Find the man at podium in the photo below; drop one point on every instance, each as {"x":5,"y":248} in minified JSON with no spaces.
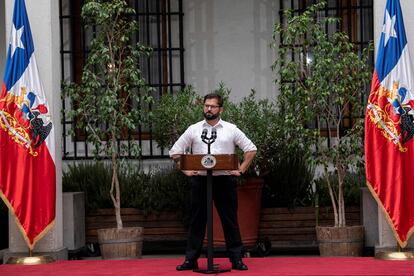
{"x":228,"y":136}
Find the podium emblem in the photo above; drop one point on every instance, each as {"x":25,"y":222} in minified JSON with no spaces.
{"x":208,"y":161}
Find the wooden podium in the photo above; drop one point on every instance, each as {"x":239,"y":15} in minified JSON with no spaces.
{"x":209,"y":162}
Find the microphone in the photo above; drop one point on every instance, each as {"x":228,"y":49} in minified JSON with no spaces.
{"x":204,"y":134}
{"x":213,"y":134}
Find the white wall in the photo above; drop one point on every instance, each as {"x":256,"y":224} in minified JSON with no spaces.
{"x":2,"y":39}
{"x":228,"y":40}
{"x":408,"y":13}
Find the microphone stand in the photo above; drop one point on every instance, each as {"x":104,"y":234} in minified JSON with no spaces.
{"x":211,"y":267}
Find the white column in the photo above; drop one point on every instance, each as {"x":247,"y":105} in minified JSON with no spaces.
{"x":44,"y":22}
{"x":386,"y":238}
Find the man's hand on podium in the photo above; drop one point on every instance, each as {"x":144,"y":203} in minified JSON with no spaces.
{"x":236,"y":173}
{"x":190,"y":173}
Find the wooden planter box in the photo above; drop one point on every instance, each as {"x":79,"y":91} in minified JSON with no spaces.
{"x":294,"y":229}
{"x":287,"y":229}
{"x":160,"y":230}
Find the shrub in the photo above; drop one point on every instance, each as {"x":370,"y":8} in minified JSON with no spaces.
{"x":157,"y":190}
{"x":288,"y":184}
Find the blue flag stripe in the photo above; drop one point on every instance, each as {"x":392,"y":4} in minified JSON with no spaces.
{"x":17,"y":64}
{"x":388,"y":55}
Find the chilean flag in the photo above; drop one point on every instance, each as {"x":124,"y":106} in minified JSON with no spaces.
{"x":27,"y":168}
{"x":389,"y":127}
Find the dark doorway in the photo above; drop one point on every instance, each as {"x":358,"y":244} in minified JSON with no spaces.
{"x":4,"y":226}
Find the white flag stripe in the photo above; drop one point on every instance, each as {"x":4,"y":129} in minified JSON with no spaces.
{"x":30,"y":79}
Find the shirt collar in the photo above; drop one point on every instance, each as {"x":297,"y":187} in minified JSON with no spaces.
{"x":219,"y":123}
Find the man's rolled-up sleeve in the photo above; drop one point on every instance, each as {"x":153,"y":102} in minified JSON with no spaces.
{"x":243,"y":142}
{"x":181,"y":144}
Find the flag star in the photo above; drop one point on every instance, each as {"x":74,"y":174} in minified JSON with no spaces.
{"x":16,"y":39}
{"x":389,"y":28}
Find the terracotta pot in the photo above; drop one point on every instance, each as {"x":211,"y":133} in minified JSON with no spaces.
{"x":125,"y":243}
{"x":248,"y":214}
{"x":340,"y":241}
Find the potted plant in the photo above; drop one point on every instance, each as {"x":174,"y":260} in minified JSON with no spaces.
{"x":321,"y":94}
{"x":110,"y":100}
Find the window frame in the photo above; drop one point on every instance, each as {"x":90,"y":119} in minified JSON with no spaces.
{"x":161,"y":27}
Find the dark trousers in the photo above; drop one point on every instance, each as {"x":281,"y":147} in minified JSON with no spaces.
{"x":225,"y":200}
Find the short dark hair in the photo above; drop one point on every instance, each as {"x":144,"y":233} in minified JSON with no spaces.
{"x":216,"y":96}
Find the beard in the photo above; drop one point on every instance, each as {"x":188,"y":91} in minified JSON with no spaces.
{"x":210,"y":116}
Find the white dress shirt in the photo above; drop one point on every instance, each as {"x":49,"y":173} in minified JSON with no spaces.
{"x":228,"y":137}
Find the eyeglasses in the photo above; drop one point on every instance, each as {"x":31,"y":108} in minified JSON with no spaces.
{"x":207,"y":106}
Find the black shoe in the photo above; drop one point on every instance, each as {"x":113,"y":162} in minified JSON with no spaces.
{"x":239,"y":265}
{"x":187,"y":265}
